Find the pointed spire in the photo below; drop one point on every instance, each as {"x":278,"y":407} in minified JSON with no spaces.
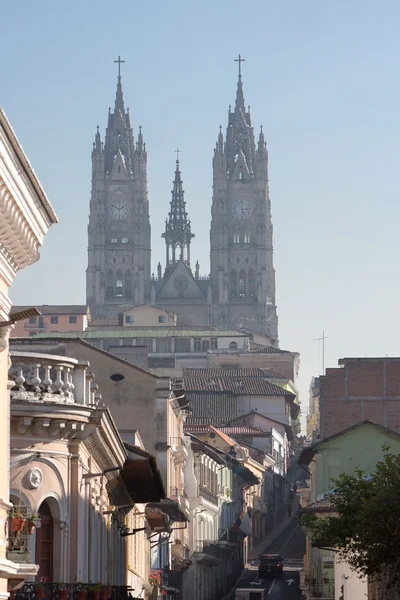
{"x":261,"y":140}
{"x":239,"y":104}
{"x":97,"y":139}
{"x":119,"y":100}
{"x":178,"y":233}
{"x":140,"y":144}
{"x":220,"y":139}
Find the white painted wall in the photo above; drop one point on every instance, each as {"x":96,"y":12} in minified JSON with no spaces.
{"x":354,"y":588}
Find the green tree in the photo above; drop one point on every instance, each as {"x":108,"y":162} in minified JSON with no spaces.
{"x":364,"y":526}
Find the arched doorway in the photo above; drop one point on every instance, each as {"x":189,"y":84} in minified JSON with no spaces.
{"x":44,"y":544}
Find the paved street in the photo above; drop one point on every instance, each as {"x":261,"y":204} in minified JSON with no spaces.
{"x":291,"y":546}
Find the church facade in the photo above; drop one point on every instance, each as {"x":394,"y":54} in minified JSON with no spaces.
{"x":240,"y":289}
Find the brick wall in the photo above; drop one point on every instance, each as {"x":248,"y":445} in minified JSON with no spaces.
{"x":362,"y":388}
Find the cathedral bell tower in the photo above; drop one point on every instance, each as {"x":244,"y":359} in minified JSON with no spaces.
{"x":242,"y":272}
{"x":118,"y":272}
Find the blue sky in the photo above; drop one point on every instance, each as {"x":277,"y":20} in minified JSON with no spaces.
{"x":322,"y":78}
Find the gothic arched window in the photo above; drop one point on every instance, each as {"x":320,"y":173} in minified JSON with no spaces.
{"x":233,"y":283}
{"x":252,"y":283}
{"x":110,"y":284}
{"x":242,"y":283}
{"x":119,"y":285}
{"x":236,"y":238}
{"x":233,"y":346}
{"x":246,"y":237}
{"x":128,"y":284}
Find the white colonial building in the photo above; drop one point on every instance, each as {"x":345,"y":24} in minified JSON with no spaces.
{"x":25,"y":217}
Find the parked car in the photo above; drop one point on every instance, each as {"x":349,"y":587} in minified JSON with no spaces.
{"x":270,"y":565}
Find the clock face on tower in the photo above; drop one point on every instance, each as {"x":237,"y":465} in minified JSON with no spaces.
{"x":119,"y":209}
{"x":242,"y":209}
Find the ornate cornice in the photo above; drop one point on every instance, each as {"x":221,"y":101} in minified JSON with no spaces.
{"x":19,"y":245}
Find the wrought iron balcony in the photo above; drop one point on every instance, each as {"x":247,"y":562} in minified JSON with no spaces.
{"x":208,"y":495}
{"x":177,"y":492}
{"x":171,"y":581}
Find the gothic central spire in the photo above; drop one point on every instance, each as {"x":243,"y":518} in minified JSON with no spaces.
{"x":239,"y":105}
{"x":178,"y":232}
{"x":119,"y":100}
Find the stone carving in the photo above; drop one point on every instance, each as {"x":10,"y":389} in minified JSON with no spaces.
{"x":181,"y":283}
{"x":35,"y":478}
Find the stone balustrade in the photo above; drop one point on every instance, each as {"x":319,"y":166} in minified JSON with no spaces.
{"x":51,"y":378}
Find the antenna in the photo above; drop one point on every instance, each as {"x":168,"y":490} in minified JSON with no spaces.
{"x":323,"y":338}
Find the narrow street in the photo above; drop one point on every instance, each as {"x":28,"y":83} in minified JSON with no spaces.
{"x":291,"y":546}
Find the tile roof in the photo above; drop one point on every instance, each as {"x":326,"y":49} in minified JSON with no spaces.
{"x":270,"y":350}
{"x":238,"y":430}
{"x":142,"y":332}
{"x":228,"y":440}
{"x":236,"y":386}
{"x":50,"y":309}
{"x":225,"y":373}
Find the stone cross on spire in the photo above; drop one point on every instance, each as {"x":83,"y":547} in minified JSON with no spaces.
{"x":239,"y":60}
{"x":119,"y":61}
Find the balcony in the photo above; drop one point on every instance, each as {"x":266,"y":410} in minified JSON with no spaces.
{"x":321,"y":589}
{"x":71,"y":591}
{"x":178,"y":449}
{"x":208,"y":495}
{"x":207,"y":553}
{"x":171,"y":581}
{"x":21,"y":524}
{"x":180,"y":496}
{"x":49,"y":378}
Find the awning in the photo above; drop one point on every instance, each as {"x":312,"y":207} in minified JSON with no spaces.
{"x":167,"y":507}
{"x":141,"y":476}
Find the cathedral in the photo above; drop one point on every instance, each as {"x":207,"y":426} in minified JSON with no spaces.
{"x":239,"y":292}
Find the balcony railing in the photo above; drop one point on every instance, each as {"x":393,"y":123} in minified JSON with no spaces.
{"x":47,"y":377}
{"x":21,"y":524}
{"x":177,"y":492}
{"x":207,"y":547}
{"x":70,"y":591}
{"x":322,"y":589}
{"x":208,"y":494}
{"x":171,"y":580}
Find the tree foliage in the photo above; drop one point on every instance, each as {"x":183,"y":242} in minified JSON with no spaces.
{"x":364,"y":526}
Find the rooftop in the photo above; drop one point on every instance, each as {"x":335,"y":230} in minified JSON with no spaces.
{"x":236,"y":386}
{"x":56,"y":309}
{"x":143,"y":332}
{"x":228,"y":430}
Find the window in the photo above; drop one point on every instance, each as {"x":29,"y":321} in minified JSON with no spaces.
{"x":197,"y":344}
{"x":252,"y":283}
{"x":214,"y":343}
{"x":32,"y":320}
{"x":145,"y":342}
{"x":128,"y":319}
{"x":117,"y":377}
{"x":124,"y":240}
{"x":162,"y":319}
{"x":246,"y":238}
{"x":72,"y":319}
{"x":163,"y":345}
{"x":54,"y":320}
{"x":182,"y":344}
{"x":242,"y":283}
{"x":236,"y":238}
{"x":233,"y":284}
{"x":114,"y":241}
{"x":110,"y":284}
{"x":205,"y":345}
{"x":119,"y":285}
{"x":127,"y":342}
{"x":233,"y":346}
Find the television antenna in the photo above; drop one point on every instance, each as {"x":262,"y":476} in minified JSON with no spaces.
{"x":322,"y":339}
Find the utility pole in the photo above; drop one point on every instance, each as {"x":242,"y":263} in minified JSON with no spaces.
{"x":322,"y":339}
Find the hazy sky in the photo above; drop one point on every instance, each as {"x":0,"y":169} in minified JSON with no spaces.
{"x":321,"y":77}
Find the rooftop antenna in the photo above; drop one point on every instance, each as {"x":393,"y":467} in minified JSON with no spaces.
{"x":322,"y":339}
